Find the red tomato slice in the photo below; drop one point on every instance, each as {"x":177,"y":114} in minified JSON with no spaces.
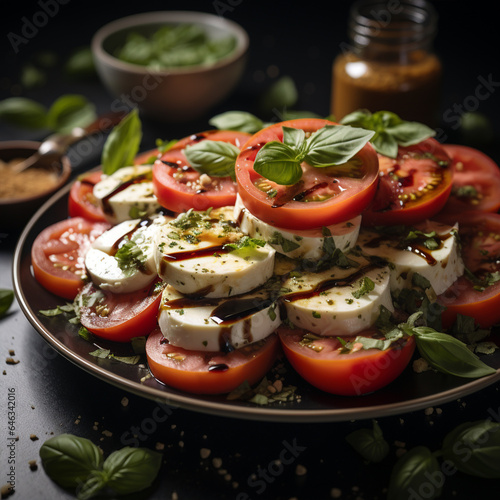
{"x":120,"y":317}
{"x":81,"y":200}
{"x":476,"y":181}
{"x":323,"y":365}
{"x":324,"y":196}
{"x":58,"y":255}
{"x":177,"y":185}
{"x":201,"y":372}
{"x":413,"y":187}
{"x":479,"y":234}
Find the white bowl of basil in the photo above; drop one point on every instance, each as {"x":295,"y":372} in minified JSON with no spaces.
{"x":173,"y":65}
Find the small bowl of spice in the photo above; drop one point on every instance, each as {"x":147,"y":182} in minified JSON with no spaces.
{"x":22,"y":193}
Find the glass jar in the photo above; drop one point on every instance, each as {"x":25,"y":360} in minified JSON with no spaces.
{"x":389,"y":63}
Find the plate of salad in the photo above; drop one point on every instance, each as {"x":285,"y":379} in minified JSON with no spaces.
{"x":302,"y":271}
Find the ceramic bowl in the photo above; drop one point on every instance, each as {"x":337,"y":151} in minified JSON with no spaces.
{"x":16,"y":211}
{"x":170,"y":95}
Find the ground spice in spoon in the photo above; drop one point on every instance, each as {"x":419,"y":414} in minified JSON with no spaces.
{"x":30,"y":182}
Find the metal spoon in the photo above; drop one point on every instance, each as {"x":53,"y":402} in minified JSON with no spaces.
{"x":56,"y":145}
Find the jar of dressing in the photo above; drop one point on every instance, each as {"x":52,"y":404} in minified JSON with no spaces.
{"x":389,"y":63}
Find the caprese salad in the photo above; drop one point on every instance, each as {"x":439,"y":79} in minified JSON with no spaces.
{"x":307,"y":239}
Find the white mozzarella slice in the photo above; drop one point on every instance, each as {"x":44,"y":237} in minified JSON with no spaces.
{"x":217,"y":324}
{"x":440,"y":266}
{"x":194,"y":257}
{"x":338,"y":301}
{"x":127,"y":194}
{"x":123,"y":275}
{"x":305,"y":244}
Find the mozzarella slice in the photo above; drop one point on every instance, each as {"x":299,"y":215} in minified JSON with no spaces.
{"x":440,"y":266}
{"x":193,"y":255}
{"x":338,"y":301}
{"x":305,"y":244}
{"x":217,"y":324}
{"x":132,"y":270}
{"x":127,"y":194}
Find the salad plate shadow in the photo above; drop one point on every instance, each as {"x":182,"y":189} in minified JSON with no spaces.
{"x":409,"y":392}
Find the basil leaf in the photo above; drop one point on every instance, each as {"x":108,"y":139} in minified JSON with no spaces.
{"x":448,"y":354}
{"x":281,"y":95}
{"x":23,"y":112}
{"x":69,"y":460}
{"x":385,"y":144}
{"x":6,"y":299}
{"x":131,"y":469}
{"x":335,"y":144}
{"x":415,"y":468}
{"x":122,"y":144}
{"x":240,"y":121}
{"x":408,"y":133}
{"x":93,"y":485}
{"x":390,"y":130}
{"x":294,"y":138}
{"x":278,"y":162}
{"x":369,"y":443}
{"x":474,"y":448}
{"x":70,"y":111}
{"x":214,"y":158}
{"x":80,"y":63}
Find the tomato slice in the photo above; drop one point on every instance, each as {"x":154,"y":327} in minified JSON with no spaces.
{"x":476,"y":180}
{"x":324,"y":196}
{"x":322,"y":363}
{"x":413,"y":187}
{"x":81,"y":200}
{"x":479,"y":234}
{"x":202,"y":372}
{"x":177,"y":186}
{"x":120,"y":317}
{"x":58,"y":255}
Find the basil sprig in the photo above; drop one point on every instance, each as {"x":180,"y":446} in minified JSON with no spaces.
{"x":214,"y":158}
{"x":122,"y":144}
{"x":442,"y":351}
{"x":390,"y":130}
{"x":75,"y":462}
{"x":369,"y":443}
{"x":280,"y":162}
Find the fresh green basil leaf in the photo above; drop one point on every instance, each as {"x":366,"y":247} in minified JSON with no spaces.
{"x":359,"y":118}
{"x":130,"y":257}
{"x":80,"y":63}
{"x":6,"y":299}
{"x":474,"y":448}
{"x":365,"y":287}
{"x":70,"y":111}
{"x":294,"y":137}
{"x":449,"y":355}
{"x":390,"y":129}
{"x":240,"y":121}
{"x":385,"y":144}
{"x":278,"y":162}
{"x":214,"y":158}
{"x":408,"y":133}
{"x":413,"y":470}
{"x":281,"y":95}
{"x":69,"y":460}
{"x":369,"y":443}
{"x":32,"y":77}
{"x":122,"y":144}
{"x":23,"y":112}
{"x":131,"y":469}
{"x":92,"y":486}
{"x":335,"y":144}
